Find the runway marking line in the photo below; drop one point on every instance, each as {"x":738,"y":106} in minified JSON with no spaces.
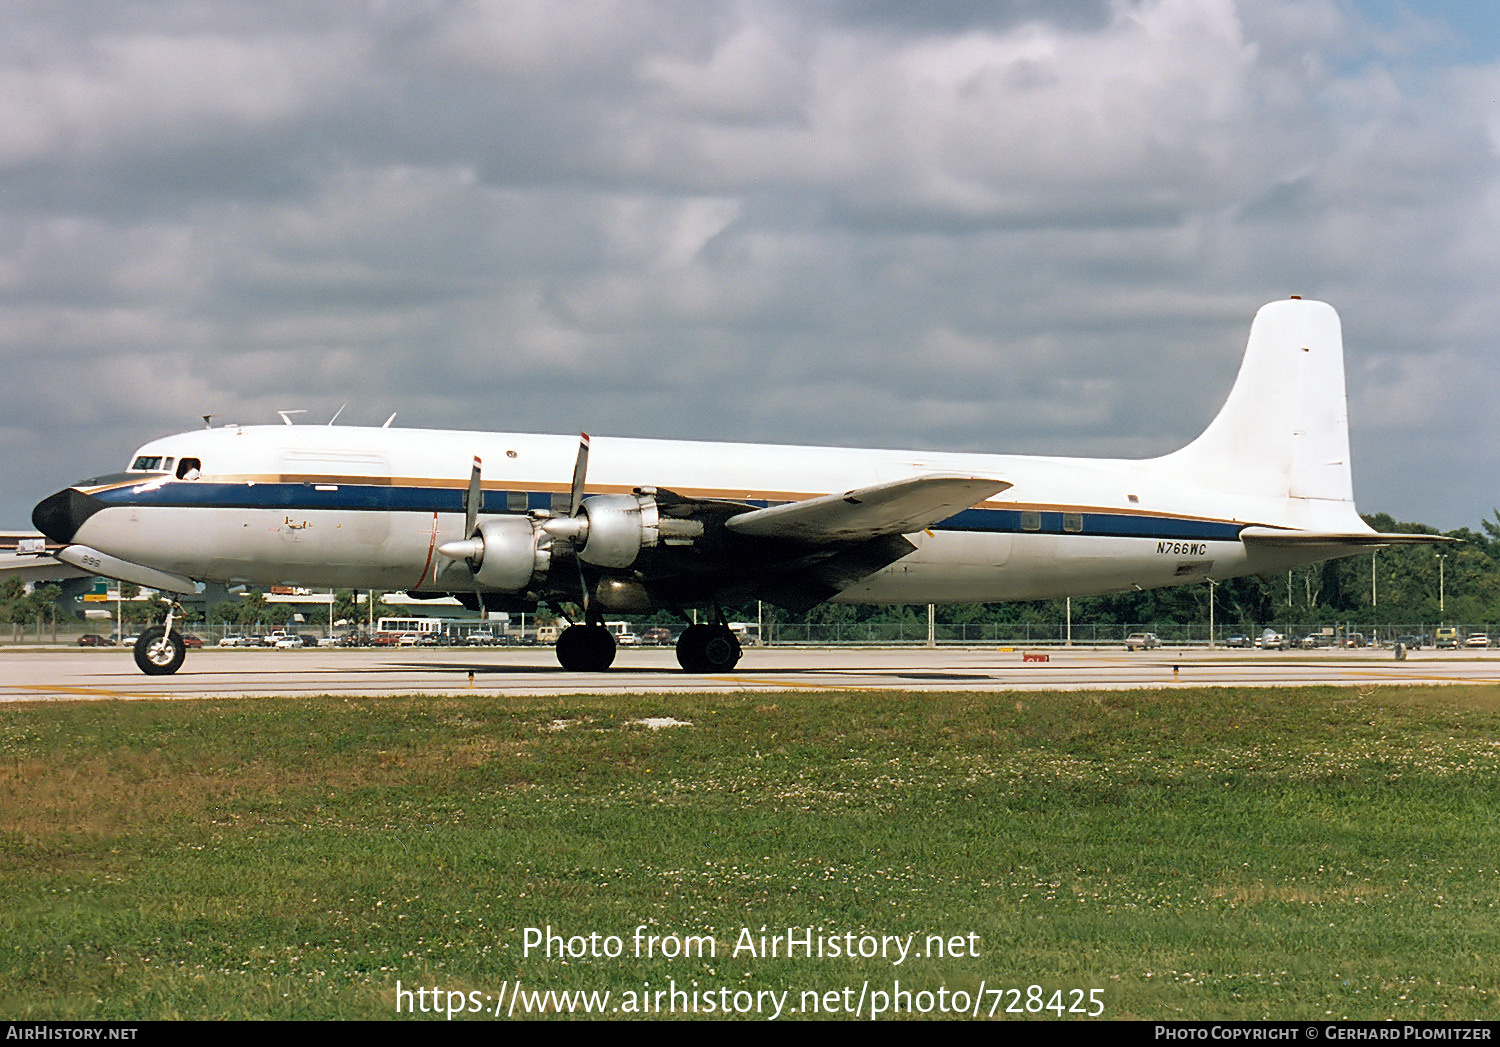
{"x":1418,"y":677}
{"x":97,"y":692}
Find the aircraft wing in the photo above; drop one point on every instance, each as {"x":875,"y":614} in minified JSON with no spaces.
{"x":894,"y":508}
{"x":1278,"y":537}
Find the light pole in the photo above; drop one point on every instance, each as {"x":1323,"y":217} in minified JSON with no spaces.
{"x":1210,"y":614}
{"x":1442,"y":607}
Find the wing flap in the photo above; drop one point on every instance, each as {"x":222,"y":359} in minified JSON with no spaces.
{"x":900,"y":507}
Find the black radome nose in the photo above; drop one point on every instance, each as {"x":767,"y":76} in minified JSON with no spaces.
{"x":60,"y":516}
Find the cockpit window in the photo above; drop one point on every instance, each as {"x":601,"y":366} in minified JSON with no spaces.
{"x":147,"y":463}
{"x":189,"y":469}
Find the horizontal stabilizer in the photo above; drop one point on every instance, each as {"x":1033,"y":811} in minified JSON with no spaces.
{"x":891,"y":508}
{"x":1278,"y":537}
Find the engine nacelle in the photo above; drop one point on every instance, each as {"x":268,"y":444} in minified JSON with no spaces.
{"x":610,"y":530}
{"x":515,"y":554}
{"x":619,"y":527}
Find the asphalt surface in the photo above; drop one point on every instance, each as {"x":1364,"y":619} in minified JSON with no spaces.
{"x":74,"y":674}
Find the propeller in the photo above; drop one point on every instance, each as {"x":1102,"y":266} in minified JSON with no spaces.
{"x":580,"y":470}
{"x":472,"y":498}
{"x":509,"y":552}
{"x":470,"y":548}
{"x":573,"y":527}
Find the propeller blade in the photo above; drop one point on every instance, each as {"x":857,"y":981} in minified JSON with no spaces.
{"x":580,"y":470}
{"x":472,"y":498}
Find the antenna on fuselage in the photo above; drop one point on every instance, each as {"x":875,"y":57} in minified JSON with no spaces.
{"x":208,"y":421}
{"x":389,"y":420}
{"x":285,"y":415}
{"x":337,"y":413}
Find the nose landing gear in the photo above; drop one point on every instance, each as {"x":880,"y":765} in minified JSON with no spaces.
{"x":159,"y":651}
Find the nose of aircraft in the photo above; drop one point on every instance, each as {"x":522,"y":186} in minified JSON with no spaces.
{"x":59,"y":516}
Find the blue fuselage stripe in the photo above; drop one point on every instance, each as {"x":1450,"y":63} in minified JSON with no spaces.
{"x":416,"y":499}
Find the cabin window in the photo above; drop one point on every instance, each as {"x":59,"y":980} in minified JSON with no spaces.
{"x":1073,"y":522}
{"x":562,"y":501}
{"x":189,"y":469}
{"x":517,"y":501}
{"x":1031,"y":521}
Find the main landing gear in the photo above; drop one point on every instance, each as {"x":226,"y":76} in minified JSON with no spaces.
{"x":708,"y":649}
{"x":590,"y":648}
{"x":586,"y":648}
{"x":159,"y":650}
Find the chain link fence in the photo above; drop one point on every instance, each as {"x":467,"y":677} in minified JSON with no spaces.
{"x":816,"y":634}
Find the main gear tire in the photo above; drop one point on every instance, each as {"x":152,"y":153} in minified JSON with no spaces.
{"x":708,"y":649}
{"x":586,"y":649}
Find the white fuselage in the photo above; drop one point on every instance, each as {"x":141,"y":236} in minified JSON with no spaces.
{"x":367,"y":508}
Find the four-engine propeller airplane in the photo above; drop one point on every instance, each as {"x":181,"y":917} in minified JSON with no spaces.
{"x":491,"y":518}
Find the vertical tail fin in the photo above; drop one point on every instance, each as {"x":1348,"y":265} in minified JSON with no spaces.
{"x":1283,"y":434}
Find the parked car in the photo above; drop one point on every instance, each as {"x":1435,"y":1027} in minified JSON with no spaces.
{"x":1237,"y":641}
{"x":1141,"y":642}
{"x":1477,"y":640}
{"x":192,"y":642}
{"x":92,"y":640}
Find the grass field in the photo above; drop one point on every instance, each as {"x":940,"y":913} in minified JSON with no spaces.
{"x":1300,"y":854}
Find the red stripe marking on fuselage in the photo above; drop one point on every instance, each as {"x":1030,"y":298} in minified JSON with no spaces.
{"x":431,"y":545}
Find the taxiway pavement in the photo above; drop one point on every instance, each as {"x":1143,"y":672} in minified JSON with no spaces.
{"x":40,"y":674}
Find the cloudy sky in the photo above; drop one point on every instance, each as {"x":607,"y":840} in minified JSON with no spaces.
{"x":1035,"y":226}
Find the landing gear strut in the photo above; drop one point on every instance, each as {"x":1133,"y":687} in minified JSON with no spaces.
{"x":159,"y":651}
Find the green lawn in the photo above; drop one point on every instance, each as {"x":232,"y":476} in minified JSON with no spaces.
{"x":1300,"y":854}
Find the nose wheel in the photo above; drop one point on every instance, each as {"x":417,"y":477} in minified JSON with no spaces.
{"x":708,"y":649}
{"x":159,"y":651}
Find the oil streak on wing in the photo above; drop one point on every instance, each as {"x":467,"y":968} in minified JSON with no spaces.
{"x":869,"y":512}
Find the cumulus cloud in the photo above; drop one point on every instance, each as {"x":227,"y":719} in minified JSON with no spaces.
{"x":1019,"y":226}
